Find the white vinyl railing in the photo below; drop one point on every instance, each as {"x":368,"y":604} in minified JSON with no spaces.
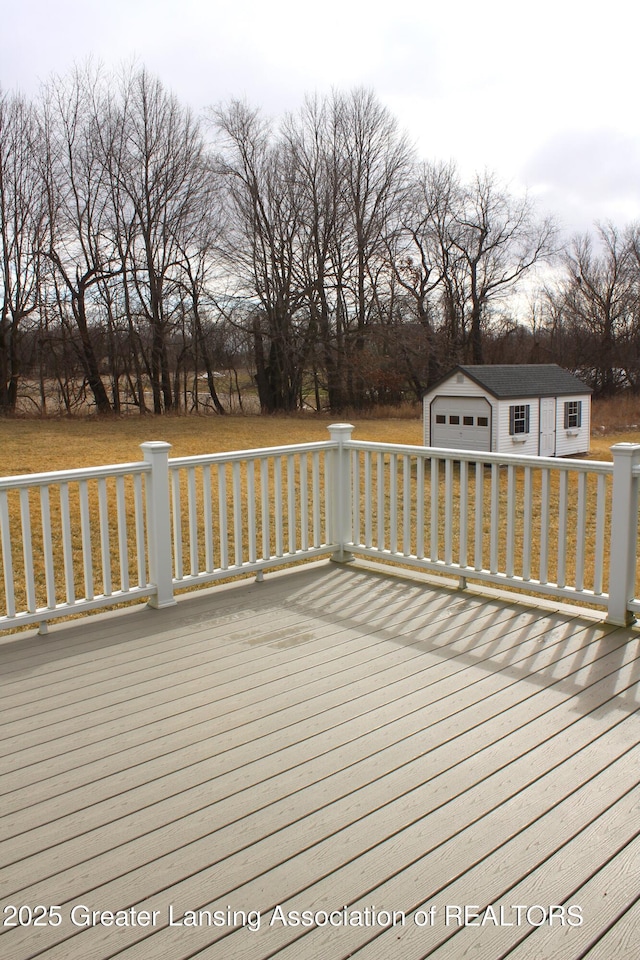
{"x":71,"y":541}
{"x":248,"y":510}
{"x":540,"y":527}
{"x":82,"y":539}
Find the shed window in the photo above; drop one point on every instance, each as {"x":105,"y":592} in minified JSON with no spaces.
{"x":519,"y":418}
{"x":572,"y":414}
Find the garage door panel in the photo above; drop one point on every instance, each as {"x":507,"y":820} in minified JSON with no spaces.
{"x":461,"y":423}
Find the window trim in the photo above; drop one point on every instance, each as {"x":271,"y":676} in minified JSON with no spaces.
{"x":572,"y":417}
{"x":519,"y":419}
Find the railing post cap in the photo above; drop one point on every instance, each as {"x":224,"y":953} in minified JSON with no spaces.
{"x":625,"y":449}
{"x":155,"y":446}
{"x":340,"y":430}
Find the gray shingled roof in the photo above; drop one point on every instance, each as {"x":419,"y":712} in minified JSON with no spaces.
{"x":524,"y":380}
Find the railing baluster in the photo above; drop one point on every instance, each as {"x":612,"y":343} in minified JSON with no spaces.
{"x":176,"y":513}
{"x":192,"y":500}
{"x":368,"y":498}
{"x":601,"y":496}
{"x":393,"y":503}
{"x":27,"y":550}
{"x":7,"y":556}
{"x":139,"y":527}
{"x":265,"y":506}
{"x":251,"y":510}
{"x":85,"y":531}
{"x":511,"y":518}
{"x":380,"y":499}
{"x":581,"y":530}
{"x":278,"y":507}
{"x":47,"y":544}
{"x":495,"y":518}
{"x":122,"y":535}
{"x":406,"y":506}
{"x":208,"y":518}
{"x":291,"y":503}
{"x":67,"y":544}
{"x":420,"y":495}
{"x":237,"y":512}
{"x":562,"y":529}
{"x":544,"y":526}
{"x":463,"y":494}
{"x":355,"y":496}
{"x":478,"y":515}
{"x":435,"y":507}
{"x":448,"y":510}
{"x":527,"y":522}
{"x":105,"y":546}
{"x":304,"y":501}
{"x":222,"y":514}
{"x":328,"y":506}
{"x":315,"y":488}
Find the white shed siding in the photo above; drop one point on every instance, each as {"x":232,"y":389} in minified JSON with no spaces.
{"x":570,"y":442}
{"x":524,"y":443}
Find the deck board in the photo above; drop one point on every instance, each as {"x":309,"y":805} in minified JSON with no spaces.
{"x":335,"y":735}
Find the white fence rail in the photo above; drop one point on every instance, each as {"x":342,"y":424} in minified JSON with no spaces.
{"x":72,"y":541}
{"x":539,"y":527}
{"x":248,"y":511}
{"x":82,"y":539}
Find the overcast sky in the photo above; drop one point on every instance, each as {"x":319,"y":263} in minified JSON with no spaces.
{"x":546,"y":98}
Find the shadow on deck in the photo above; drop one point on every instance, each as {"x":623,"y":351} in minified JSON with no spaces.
{"x":333,"y":739}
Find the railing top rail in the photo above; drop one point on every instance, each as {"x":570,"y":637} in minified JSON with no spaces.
{"x":121,"y":469}
{"x":68,"y":476}
{"x":590,"y":466}
{"x":257,"y":453}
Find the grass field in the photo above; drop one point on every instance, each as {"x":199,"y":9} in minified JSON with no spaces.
{"x":34,"y":445}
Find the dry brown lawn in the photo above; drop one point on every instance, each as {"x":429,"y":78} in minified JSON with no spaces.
{"x":32,"y":446}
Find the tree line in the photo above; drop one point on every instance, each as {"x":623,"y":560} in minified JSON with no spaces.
{"x":144,"y":250}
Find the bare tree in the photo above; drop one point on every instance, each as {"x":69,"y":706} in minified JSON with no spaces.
{"x":498,"y":239}
{"x":22,"y":224}
{"x":197,"y":245}
{"x":81,"y":245}
{"x":352,"y":165}
{"x":159,"y":169}
{"x":376,"y":162}
{"x":424,"y":261}
{"x":597,"y":296}
{"x":262,"y":241}
{"x":312,"y":140}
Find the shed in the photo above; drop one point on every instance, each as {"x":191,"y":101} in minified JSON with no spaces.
{"x":534,"y":409}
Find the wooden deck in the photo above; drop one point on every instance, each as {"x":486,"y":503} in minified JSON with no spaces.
{"x":334,"y":739}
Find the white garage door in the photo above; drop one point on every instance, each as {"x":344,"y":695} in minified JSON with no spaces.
{"x":461,"y":423}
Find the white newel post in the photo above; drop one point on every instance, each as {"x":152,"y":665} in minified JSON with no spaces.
{"x":624,"y":533}
{"x":340,"y":489}
{"x":159,"y":523}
